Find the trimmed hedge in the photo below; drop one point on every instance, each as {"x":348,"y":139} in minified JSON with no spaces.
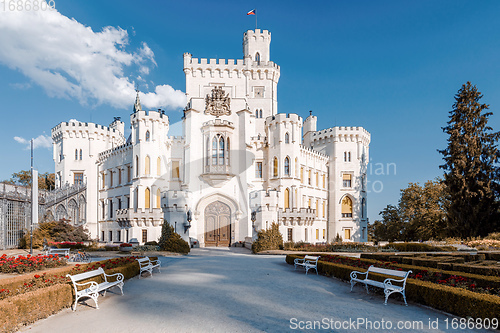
{"x":457,"y":301}
{"x":26,"y":308}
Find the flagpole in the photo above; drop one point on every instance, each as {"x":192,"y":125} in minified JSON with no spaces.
{"x":255,"y":18}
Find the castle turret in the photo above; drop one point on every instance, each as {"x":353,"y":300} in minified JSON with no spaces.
{"x":256,"y":45}
{"x":309,"y":128}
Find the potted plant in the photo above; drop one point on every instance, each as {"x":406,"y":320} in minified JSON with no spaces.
{"x":126,"y":247}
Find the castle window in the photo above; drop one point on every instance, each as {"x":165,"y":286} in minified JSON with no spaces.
{"x":144,"y":235}
{"x":110,"y":235}
{"x":214,"y":151}
{"x":317,"y":208}
{"x":287,"y":166}
{"x":175,"y":170}
{"x":158,"y":166}
{"x":81,"y":154}
{"x":290,"y":234}
{"x":346,"y":207}
{"x":110,"y":178}
{"x":323,"y":209}
{"x":257,"y":58}
{"x":158,"y":198}
{"x":309,"y":177}
{"x":346,"y":180}
{"x":119,"y":203}
{"x":76,"y":154}
{"x":147,"y":198}
{"x":363,"y":207}
{"x":287,"y":138}
{"x":302,"y":175}
{"x":78,"y":178}
{"x":324,"y":181}
{"x":228,"y":152}
{"x":349,"y":156}
{"x":287,"y":198}
{"x":207,"y":157}
{"x":221,"y":150}
{"x":147,"y":168}
{"x":147,"y":136}
{"x":119,"y":176}
{"x":258,"y":170}
{"x":103,"y":180}
{"x":345,"y":156}
{"x":347,"y":233}
{"x":137,"y":166}
{"x":275,"y":167}
{"x":110,"y":208}
{"x":260,"y":112}
{"x":317,"y":180}
{"x":317,"y":234}
{"x":103,"y":210}
{"x":129,"y":173}
{"x":257,"y":113}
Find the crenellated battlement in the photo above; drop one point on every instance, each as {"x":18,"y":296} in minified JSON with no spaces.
{"x":114,"y":151}
{"x":256,"y":34}
{"x":282,"y":118}
{"x":149,"y":115}
{"x":341,"y":134}
{"x":79,"y":129}
{"x":218,"y":123}
{"x":313,"y":153}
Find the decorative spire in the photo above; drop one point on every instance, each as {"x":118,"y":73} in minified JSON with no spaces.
{"x":137,"y":104}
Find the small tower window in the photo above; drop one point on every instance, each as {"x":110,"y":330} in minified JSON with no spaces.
{"x":257,"y":113}
{"x":287,"y":166}
{"x":260,"y":113}
{"x":257,"y":58}
{"x":346,"y":207}
{"x":81,"y":154}
{"x":147,"y":136}
{"x":287,"y":198}
{"x":287,"y":138}
{"x":275,"y":167}
{"x":221,"y":150}
{"x":76,"y":154}
{"x":214,"y":151}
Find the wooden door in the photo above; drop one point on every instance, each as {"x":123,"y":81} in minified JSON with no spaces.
{"x":217,"y":224}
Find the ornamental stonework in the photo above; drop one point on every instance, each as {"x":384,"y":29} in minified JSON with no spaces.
{"x":218,"y":103}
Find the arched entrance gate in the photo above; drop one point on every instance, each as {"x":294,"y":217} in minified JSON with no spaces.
{"x":217,"y":224}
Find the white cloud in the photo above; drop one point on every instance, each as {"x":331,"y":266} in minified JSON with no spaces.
{"x":70,"y":60}
{"x":42,"y":141}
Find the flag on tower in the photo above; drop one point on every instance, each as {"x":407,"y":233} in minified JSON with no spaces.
{"x":252,"y":12}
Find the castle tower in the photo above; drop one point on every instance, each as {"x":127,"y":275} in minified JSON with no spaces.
{"x":256,"y":45}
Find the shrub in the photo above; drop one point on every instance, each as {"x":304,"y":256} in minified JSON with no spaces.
{"x":155,"y":243}
{"x":269,"y":239}
{"x":493,"y":236}
{"x":414,"y":247}
{"x":53,"y":231}
{"x":172,"y":241}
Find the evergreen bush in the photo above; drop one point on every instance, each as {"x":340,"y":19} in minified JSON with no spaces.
{"x":54,"y":231}
{"x":269,"y":239}
{"x":172,"y":241}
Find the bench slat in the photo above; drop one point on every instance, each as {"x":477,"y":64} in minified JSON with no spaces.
{"x":386,"y":271}
{"x":87,"y":275}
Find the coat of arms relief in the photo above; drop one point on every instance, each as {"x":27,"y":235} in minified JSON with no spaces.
{"x":218,"y":104}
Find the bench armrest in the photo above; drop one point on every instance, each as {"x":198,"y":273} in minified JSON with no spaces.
{"x":156,"y":262}
{"x":354,"y":274}
{"x":312,"y":262}
{"x":93,"y":285}
{"x":119,"y":276}
{"x":298,"y":261}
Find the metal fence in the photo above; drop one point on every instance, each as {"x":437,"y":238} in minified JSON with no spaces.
{"x":15,"y":214}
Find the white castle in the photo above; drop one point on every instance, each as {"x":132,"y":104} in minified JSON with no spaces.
{"x":239,"y":166}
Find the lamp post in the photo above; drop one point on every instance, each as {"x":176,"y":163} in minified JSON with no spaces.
{"x":254,"y":218}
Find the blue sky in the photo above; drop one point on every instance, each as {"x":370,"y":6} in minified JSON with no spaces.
{"x":392,"y":67}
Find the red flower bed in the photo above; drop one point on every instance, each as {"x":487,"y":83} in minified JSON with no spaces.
{"x":423,"y":275}
{"x":29,"y":263}
{"x":46,"y":279}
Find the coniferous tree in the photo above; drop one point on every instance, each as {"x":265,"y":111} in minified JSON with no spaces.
{"x":471,"y":167}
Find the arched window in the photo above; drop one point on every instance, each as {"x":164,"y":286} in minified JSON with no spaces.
{"x":257,"y":58}
{"x":317,"y":208}
{"x":349,"y":156}
{"x":76,"y":154}
{"x":257,"y":113}
{"x":287,"y":198}
{"x":346,"y":207}
{"x":208,"y":152}
{"x":287,"y":137}
{"x":137,"y":166}
{"x":317,"y":180}
{"x":81,"y":154}
{"x":345,"y":156}
{"x":324,"y":181}
{"x":302,"y":175}
{"x":147,"y":198}
{"x":275,"y":167}
{"x":221,"y":150}
{"x":287,"y":166}
{"x":260,"y":113}
{"x":158,"y":166}
{"x":158,"y":198}
{"x":228,"y":151}
{"x":136,"y":199}
{"x":147,"y":136}
{"x":214,"y":151}
{"x":147,"y":167}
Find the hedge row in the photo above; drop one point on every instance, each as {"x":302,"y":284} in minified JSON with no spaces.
{"x":457,"y":301}
{"x":29,"y":307}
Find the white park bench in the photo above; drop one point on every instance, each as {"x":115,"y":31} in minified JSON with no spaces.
{"x":147,"y":265}
{"x":63,"y":252}
{"x":387,"y":285}
{"x":93,"y":288}
{"x":308,"y":262}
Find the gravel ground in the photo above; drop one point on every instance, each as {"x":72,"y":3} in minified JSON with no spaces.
{"x":221,"y":290}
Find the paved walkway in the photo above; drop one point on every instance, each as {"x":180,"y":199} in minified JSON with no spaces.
{"x":221,"y":290}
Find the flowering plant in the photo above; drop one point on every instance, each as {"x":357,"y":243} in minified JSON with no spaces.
{"x":29,"y":263}
{"x":125,"y":245}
